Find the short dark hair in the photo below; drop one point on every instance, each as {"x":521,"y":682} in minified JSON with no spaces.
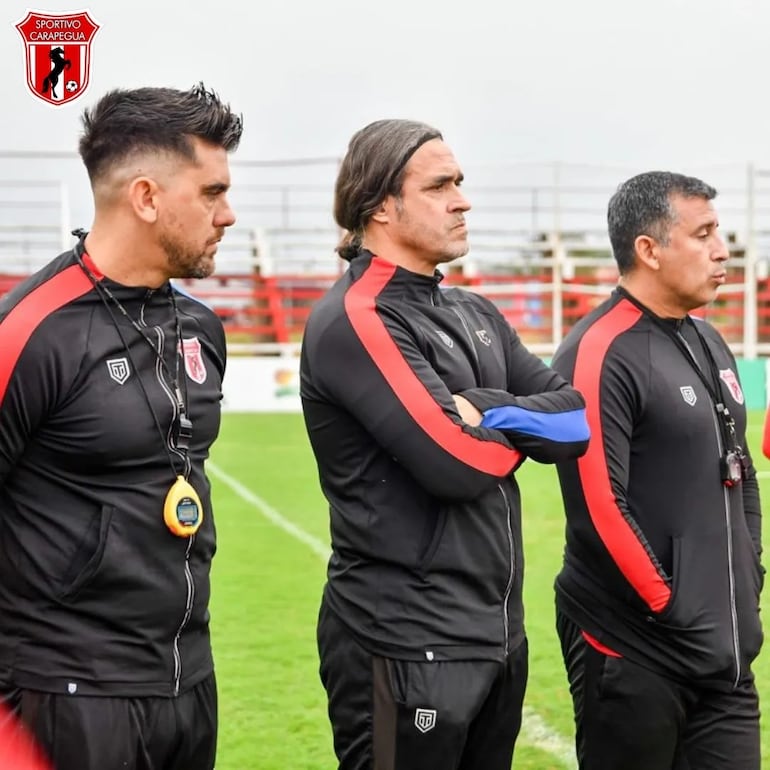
{"x":374,"y":168}
{"x":642,"y":206}
{"x":125,"y":121}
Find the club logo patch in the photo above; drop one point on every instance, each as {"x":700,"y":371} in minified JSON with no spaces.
{"x":118,"y":369}
{"x":445,"y":338}
{"x":484,"y":337}
{"x":728,"y":377}
{"x":688,"y":394}
{"x":425,"y":719}
{"x":57,"y":52}
{"x":193,"y":360}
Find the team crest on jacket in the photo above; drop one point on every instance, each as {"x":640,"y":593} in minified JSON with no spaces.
{"x":484,"y":337}
{"x":193,"y":360}
{"x":445,"y":338}
{"x":118,"y":369}
{"x":728,"y":377}
{"x":57,"y":49}
{"x":689,"y":395}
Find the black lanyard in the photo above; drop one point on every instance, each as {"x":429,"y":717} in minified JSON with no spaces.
{"x":181,"y":433}
{"x":724,"y":418}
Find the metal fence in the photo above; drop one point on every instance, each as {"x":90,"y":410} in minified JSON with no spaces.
{"x":530,"y":224}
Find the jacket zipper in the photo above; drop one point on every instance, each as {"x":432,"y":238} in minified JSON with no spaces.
{"x":729,"y":533}
{"x":509,"y":525}
{"x":190,"y":593}
{"x":469,"y":335}
{"x":511,"y":572}
{"x":730,"y":564}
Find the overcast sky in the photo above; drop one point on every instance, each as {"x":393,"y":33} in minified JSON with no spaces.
{"x":611,"y":82}
{"x":680,"y":84}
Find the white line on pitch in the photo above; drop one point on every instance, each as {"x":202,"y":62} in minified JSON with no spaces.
{"x":534,"y":730}
{"x":269,"y":512}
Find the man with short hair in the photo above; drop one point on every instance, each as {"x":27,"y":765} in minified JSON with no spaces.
{"x":658,"y":597}
{"x":110,"y":388}
{"x":420,"y":402}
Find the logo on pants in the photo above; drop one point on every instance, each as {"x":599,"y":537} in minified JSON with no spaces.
{"x":425,"y":719}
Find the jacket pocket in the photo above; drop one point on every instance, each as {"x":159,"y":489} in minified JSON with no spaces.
{"x":89,"y":555}
{"x":696,"y":627}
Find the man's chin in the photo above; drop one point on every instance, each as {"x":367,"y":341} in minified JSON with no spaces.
{"x":456,"y":253}
{"x":204,"y":271}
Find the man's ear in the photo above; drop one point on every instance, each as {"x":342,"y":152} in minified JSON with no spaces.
{"x":647,"y":251}
{"x":143,"y":197}
{"x":384,"y":211}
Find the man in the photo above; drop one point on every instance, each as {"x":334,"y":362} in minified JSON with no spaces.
{"x":657,"y":601}
{"x":421,"y":636}
{"x":110,"y":388}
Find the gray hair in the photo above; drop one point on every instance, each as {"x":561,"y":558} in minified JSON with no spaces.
{"x":642,"y":206}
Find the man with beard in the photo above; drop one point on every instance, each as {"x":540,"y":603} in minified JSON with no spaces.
{"x":420,"y":402}
{"x":110,"y":388}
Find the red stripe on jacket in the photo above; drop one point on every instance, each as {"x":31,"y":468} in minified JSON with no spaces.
{"x":17,"y":327}
{"x":619,"y":538}
{"x":485,"y":456}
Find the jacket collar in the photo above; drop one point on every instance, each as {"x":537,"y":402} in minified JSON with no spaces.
{"x":404,"y":284}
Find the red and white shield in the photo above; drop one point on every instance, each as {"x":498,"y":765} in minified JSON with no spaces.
{"x":193,"y":360}
{"x":58,"y":54}
{"x":728,"y":377}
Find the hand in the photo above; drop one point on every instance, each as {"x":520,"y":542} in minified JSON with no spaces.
{"x":467,"y":411}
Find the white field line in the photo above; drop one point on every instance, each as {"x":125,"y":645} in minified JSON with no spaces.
{"x":763,"y":474}
{"x":534,"y":731}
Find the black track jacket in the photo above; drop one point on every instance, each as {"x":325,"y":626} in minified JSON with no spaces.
{"x":425,"y":513}
{"x":662,"y":559}
{"x":96,"y":595}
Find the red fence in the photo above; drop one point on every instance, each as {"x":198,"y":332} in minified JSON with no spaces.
{"x":274,"y":309}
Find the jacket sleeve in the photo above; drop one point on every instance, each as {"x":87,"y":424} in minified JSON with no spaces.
{"x":541,"y":413}
{"x":612,"y":385}
{"x":28,"y":392}
{"x":34,"y":353}
{"x":752,"y":508}
{"x":377,"y":373}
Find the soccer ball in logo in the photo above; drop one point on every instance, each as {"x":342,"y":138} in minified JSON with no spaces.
{"x":71,"y":85}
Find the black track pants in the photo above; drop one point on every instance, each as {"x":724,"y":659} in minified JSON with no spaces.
{"x":630,"y":718}
{"x":97,"y":733}
{"x":404,"y":715}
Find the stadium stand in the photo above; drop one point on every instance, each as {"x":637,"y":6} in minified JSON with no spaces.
{"x":540,"y":252}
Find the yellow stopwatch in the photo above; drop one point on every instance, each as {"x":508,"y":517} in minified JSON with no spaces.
{"x":183,"y":510}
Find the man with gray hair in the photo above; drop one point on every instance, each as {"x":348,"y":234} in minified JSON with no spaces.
{"x":658,"y":598}
{"x":419,"y":404}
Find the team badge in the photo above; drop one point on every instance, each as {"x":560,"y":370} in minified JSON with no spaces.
{"x":688,"y":394}
{"x":118,"y":369}
{"x":57,"y":50}
{"x":425,"y":719}
{"x":484,"y":337}
{"x":728,"y":377}
{"x":193,"y":360}
{"x":445,"y":338}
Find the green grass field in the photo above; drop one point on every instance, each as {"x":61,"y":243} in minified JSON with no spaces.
{"x":268,"y":574}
